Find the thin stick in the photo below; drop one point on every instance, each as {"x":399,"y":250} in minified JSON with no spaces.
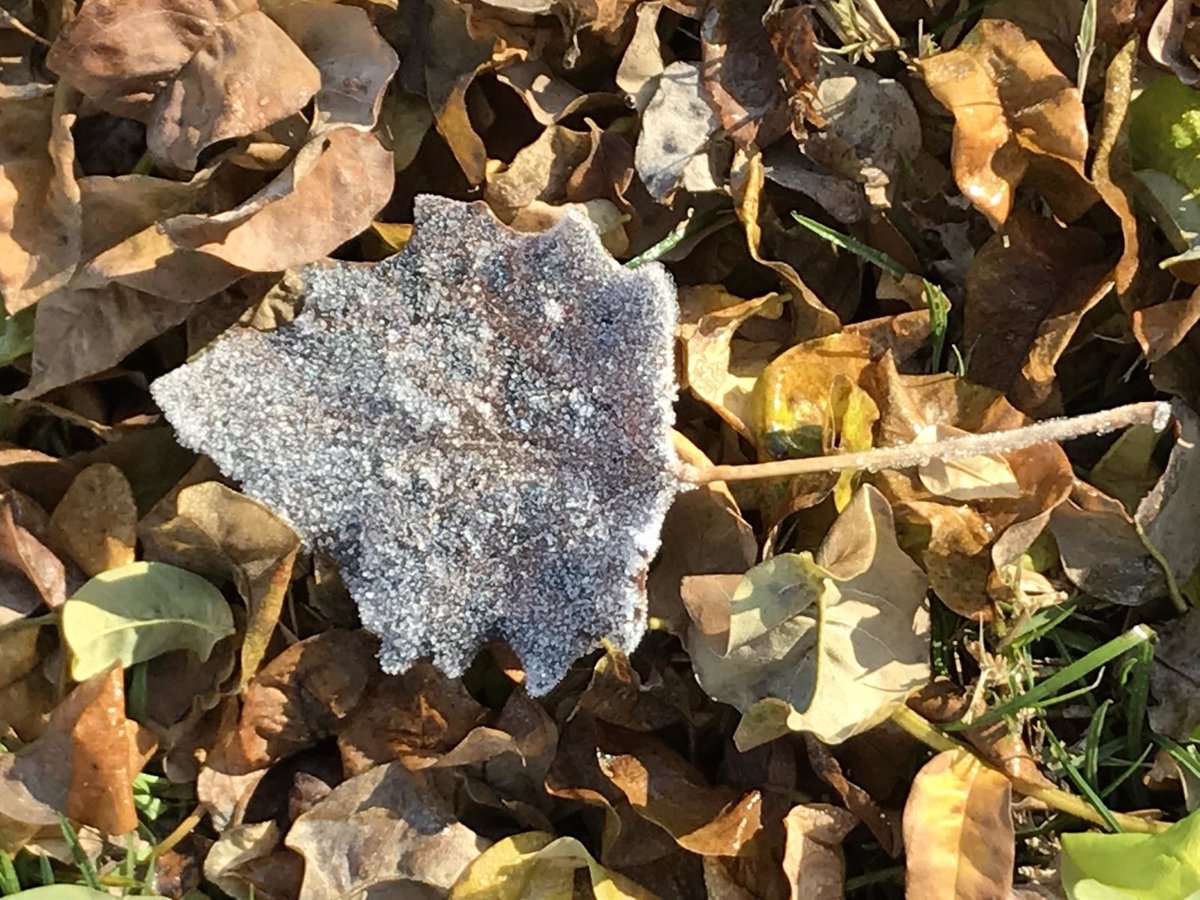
{"x":929,"y":735}
{"x":906,"y":456}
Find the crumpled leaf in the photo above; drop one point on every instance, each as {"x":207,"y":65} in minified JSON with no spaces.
{"x":247,"y":75}
{"x":96,"y":520}
{"x":21,"y":551}
{"x":382,"y":831}
{"x":958,"y":830}
{"x":813,"y":860}
{"x":297,"y":699}
{"x":1016,"y":115}
{"x":217,"y":531}
{"x":536,"y":864}
{"x":40,"y":218}
{"x":82,"y":766}
{"x":678,"y":145}
{"x":829,"y":644}
{"x":445,"y":513}
{"x":139,"y":611}
{"x":1163,"y":866}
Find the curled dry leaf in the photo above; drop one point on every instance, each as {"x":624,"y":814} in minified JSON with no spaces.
{"x":1165,"y":41}
{"x":382,"y":831}
{"x":329,"y":193}
{"x":217,"y":531}
{"x":1016,"y":115}
{"x":40,"y":218}
{"x":82,"y":766}
{"x":721,"y":369}
{"x":96,"y":520}
{"x":245,"y":76}
{"x":666,"y":790}
{"x":830,"y":645}
{"x":140,"y":611}
{"x":21,"y":551}
{"x":538,"y":864}
{"x":813,"y":860}
{"x":958,"y":830}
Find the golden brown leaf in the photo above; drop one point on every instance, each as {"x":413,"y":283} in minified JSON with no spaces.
{"x":1015,"y":114}
{"x":96,"y":520}
{"x":958,"y":831}
{"x":20,"y":550}
{"x":39,"y":215}
{"x":813,"y":860}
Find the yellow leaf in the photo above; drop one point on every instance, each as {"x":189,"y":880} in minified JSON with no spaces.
{"x":96,"y":520}
{"x":958,"y":831}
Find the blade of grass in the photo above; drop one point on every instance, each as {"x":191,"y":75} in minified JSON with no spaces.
{"x":939,"y":322}
{"x":1064,"y":759}
{"x":9,"y":882}
{"x":1091,"y":746}
{"x":1102,"y":655}
{"x":86,"y":871}
{"x":1137,"y":695}
{"x":855,"y":246}
{"x":1127,"y":772}
{"x":44,"y":870}
{"x":689,"y":226}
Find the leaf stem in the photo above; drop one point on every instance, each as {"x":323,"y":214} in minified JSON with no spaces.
{"x":906,"y":456}
{"x":929,"y":735}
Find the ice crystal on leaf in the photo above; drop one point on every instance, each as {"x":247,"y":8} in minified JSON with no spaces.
{"x":476,"y":429}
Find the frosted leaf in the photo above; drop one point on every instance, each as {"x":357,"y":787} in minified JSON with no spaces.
{"x":477,"y":429}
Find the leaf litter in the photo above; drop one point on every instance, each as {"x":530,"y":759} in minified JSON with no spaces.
{"x":365,"y":526}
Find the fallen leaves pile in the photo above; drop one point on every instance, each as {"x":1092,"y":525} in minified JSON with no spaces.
{"x":400,"y":267}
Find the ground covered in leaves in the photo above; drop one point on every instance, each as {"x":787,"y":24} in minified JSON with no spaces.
{"x":887,"y":222}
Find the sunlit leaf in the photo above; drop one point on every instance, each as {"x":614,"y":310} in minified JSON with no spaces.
{"x":1162,"y":866}
{"x":139,"y":611}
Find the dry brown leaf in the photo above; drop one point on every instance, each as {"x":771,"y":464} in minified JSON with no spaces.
{"x":220,"y":532}
{"x":1164,"y":42}
{"x":1112,"y":167}
{"x":539,"y":171}
{"x":813,"y":318}
{"x":794,"y":41}
{"x":1024,"y":305}
{"x":82,"y":766}
{"x":813,"y":860}
{"x":382,"y":831}
{"x":121,"y":53}
{"x":740,"y":72}
{"x":958,"y":831}
{"x":453,"y":57}
{"x":703,"y":533}
{"x":328,"y":194}
{"x":299,"y":698}
{"x":414,"y":718}
{"x":881,"y":823}
{"x":245,"y":76}
{"x":23,"y":552}
{"x":667,"y":790}
{"x":96,"y":520}
{"x":1015,"y":114}
{"x":354,"y":60}
{"x":637,"y":75}
{"x":39,"y":214}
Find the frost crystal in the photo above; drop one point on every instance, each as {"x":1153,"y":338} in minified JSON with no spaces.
{"x":477,"y":430}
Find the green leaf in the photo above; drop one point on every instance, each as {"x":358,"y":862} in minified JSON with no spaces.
{"x":1162,"y":866}
{"x":140,"y":611}
{"x":16,"y":334}
{"x":1164,"y":130}
{"x":829,"y":645}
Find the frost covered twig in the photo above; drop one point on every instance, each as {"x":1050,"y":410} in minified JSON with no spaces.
{"x":904,"y":456}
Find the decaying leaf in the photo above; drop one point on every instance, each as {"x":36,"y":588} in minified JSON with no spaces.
{"x":139,"y":611}
{"x":829,"y":644}
{"x":24,"y":553}
{"x":1017,"y":118}
{"x":82,"y":766}
{"x":482,"y":467}
{"x":382,"y":831}
{"x":1175,"y":680}
{"x":96,"y":520}
{"x":958,"y":830}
